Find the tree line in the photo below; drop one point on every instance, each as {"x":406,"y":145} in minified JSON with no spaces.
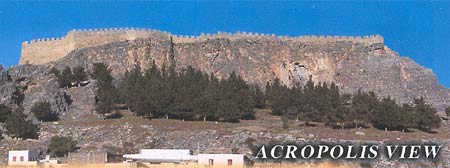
{"x":18,"y":126}
{"x":188,"y":94}
{"x":323,"y":102}
{"x":16,"y":123}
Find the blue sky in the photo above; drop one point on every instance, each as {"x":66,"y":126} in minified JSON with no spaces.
{"x":419,"y":30}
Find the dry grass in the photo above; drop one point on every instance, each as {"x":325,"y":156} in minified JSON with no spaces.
{"x":267,"y":123}
{"x":264,"y":123}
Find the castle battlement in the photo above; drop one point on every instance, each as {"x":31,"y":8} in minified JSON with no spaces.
{"x":44,"y":50}
{"x":42,"y":40}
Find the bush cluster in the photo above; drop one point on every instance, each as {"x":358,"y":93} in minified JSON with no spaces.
{"x":67,"y":76}
{"x":43,"y":112}
{"x":61,"y":146}
{"x":324,"y":103}
{"x":16,"y":123}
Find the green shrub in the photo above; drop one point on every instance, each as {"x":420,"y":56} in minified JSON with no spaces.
{"x":61,"y":146}
{"x":43,"y":112}
{"x":447,"y":111}
{"x":17,"y":126}
{"x":78,"y":74}
{"x":5,"y":111}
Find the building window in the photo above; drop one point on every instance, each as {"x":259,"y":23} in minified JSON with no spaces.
{"x":230,"y":162}
{"x":21,"y":158}
{"x":211,"y":162}
{"x":14,"y":159}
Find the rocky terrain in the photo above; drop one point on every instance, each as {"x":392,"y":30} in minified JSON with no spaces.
{"x":352,"y":65}
{"x":130,"y":133}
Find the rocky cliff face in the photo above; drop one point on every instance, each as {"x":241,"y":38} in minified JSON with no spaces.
{"x":351,"y":65}
{"x":37,"y":84}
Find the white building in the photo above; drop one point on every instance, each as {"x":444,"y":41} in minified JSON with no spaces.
{"x":162,"y":156}
{"x":23,"y":157}
{"x":184,"y":156}
{"x":221,"y":160}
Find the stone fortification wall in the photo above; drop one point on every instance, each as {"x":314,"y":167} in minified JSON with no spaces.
{"x":41,"y":51}
{"x":372,"y":39}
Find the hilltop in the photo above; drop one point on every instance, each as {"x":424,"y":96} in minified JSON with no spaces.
{"x":351,"y":62}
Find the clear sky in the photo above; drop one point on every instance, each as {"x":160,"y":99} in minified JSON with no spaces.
{"x":419,"y":30}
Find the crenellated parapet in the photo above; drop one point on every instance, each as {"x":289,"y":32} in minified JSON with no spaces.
{"x":257,"y":36}
{"x":145,"y":33}
{"x":44,"y":50}
{"x":45,"y":40}
{"x":104,"y":32}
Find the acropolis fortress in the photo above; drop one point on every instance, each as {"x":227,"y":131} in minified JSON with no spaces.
{"x":41,"y":51}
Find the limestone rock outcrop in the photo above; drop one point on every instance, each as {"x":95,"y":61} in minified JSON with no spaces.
{"x":351,"y":65}
{"x":37,"y":84}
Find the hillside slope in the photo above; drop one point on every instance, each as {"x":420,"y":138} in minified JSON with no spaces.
{"x":369,"y":66}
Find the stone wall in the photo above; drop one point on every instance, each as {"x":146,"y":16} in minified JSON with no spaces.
{"x":87,"y":157}
{"x":41,"y":51}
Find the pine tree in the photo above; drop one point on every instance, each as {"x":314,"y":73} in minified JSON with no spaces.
{"x":277,"y":95}
{"x":387,"y":115}
{"x":17,"y":126}
{"x":243,"y":96}
{"x":258,"y":97}
{"x":65,"y":77}
{"x":79,"y":74}
{"x":106,"y":96}
{"x":428,"y":115}
{"x":43,"y":111}
{"x":328,"y":103}
{"x":102,"y":74}
{"x":205,"y":106}
{"x":5,"y":111}
{"x":228,"y":110}
{"x":296,"y":109}
{"x":363,"y":104}
{"x":246,"y":104}
{"x":143,"y":107}
{"x":131,"y":87}
{"x":104,"y":100}
{"x":409,"y":117}
{"x":310,"y":94}
{"x":345,"y":113}
{"x":17,"y":96}
{"x":335,"y":96}
{"x":61,"y":146}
